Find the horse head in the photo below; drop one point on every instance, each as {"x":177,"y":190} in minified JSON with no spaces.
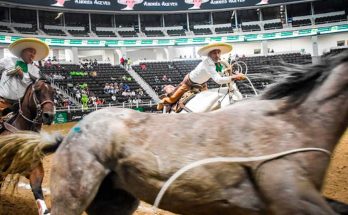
{"x":39,"y":103}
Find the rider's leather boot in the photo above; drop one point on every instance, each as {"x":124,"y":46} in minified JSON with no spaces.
{"x":174,"y":97}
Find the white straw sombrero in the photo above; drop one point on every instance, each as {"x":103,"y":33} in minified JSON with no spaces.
{"x":223,"y":47}
{"x":42,"y":49}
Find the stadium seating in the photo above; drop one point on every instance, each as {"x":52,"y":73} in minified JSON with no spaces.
{"x":179,"y":32}
{"x":127,"y":33}
{"x":328,"y":19}
{"x":302,"y":22}
{"x":257,"y":67}
{"x":249,"y":28}
{"x":271,"y":26}
{"x":105,"y":33}
{"x":223,"y":30}
{"x":5,"y":29}
{"x":72,"y":75}
{"x":54,"y":32}
{"x":202,"y":31}
{"x":153,"y":33}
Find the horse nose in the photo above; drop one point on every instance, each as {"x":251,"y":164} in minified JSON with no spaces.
{"x":47,"y":118}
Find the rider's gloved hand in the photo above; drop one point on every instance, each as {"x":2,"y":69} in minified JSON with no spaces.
{"x":238,"y":77}
{"x":17,"y":71}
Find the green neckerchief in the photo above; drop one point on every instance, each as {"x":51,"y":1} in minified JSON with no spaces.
{"x":218,"y":67}
{"x":22,"y":65}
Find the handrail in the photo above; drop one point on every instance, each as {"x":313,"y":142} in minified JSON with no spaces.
{"x":96,"y":107}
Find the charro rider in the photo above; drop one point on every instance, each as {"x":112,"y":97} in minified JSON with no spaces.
{"x":19,"y":72}
{"x":205,"y":70}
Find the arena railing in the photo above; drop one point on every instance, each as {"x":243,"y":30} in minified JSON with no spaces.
{"x":130,"y":105}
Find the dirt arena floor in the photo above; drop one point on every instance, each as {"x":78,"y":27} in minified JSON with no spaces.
{"x":23,"y":203}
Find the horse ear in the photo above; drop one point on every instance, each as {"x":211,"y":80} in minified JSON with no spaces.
{"x":44,"y":80}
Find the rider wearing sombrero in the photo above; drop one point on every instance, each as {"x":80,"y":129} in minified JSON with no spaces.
{"x":205,"y":70}
{"x":19,"y":72}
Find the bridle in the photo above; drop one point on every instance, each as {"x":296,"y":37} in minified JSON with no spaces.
{"x":38,"y":105}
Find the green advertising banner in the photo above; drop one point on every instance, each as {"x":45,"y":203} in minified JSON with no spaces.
{"x":141,"y":42}
{"x":61,"y":117}
{"x":140,"y":109}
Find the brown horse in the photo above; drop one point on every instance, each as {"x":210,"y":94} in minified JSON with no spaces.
{"x":36,"y":108}
{"x":114,"y":157}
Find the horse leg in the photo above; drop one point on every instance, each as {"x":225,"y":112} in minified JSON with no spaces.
{"x":35,"y":179}
{"x":337,"y":206}
{"x":286,"y":190}
{"x":110,"y":200}
{"x":75,"y":180}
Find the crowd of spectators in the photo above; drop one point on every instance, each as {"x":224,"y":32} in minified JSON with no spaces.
{"x":122,"y":89}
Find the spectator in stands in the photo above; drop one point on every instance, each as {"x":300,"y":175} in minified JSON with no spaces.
{"x":125,"y":63}
{"x":205,"y":70}
{"x":156,"y":79}
{"x":229,"y":58}
{"x":19,"y":72}
{"x":113,"y":97}
{"x":84,"y":100}
{"x":124,"y":77}
{"x":93,"y":74}
{"x":78,"y":96}
{"x":126,"y":87}
{"x":164,"y":78}
{"x":122,"y":61}
{"x":129,"y":63}
{"x":106,"y":88}
{"x":143,"y":67}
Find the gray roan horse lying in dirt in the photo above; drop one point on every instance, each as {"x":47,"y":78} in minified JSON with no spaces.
{"x":113,"y":157}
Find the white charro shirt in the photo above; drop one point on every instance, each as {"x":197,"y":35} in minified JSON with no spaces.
{"x":206,"y":70}
{"x":13,"y":87}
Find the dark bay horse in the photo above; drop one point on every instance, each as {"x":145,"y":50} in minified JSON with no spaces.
{"x":114,"y":157}
{"x":36,"y":108}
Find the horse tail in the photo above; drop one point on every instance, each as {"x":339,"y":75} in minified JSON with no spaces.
{"x":51,"y":142}
{"x":22,"y":151}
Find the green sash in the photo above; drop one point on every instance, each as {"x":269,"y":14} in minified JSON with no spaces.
{"x":218,"y":67}
{"x":22,"y":65}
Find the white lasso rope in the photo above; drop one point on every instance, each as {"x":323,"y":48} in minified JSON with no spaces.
{"x":225,"y":160}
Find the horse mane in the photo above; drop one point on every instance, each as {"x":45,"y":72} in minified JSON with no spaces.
{"x":302,"y":80}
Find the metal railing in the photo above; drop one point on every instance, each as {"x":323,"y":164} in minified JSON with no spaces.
{"x":97,"y":107}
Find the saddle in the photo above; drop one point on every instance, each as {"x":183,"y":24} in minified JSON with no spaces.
{"x":181,"y":103}
{"x":5,"y":122}
{"x":186,"y":97}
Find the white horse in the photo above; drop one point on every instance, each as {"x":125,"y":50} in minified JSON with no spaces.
{"x":212,"y":99}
